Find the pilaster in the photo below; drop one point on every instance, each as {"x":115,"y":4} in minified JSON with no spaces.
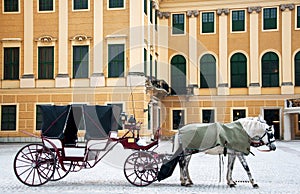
{"x":193,"y":65}
{"x":254,"y":87}
{"x":223,"y":88}
{"x":136,"y":76}
{"x":287,"y":83}
{"x":97,"y":78}
{"x":27,"y":80}
{"x":63,"y":79}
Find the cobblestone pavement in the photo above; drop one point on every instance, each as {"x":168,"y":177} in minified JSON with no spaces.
{"x":275,"y":172}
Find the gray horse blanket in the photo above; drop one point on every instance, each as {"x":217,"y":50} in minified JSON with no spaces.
{"x":202,"y":137}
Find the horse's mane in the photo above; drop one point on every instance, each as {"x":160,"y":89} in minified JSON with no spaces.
{"x":254,"y":126}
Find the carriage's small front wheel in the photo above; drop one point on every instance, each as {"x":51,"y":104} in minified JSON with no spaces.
{"x":141,"y":168}
{"x":34,"y":164}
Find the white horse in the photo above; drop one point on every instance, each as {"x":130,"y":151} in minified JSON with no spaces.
{"x":259,"y":134}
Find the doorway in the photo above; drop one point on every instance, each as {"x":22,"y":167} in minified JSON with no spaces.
{"x":272,"y":117}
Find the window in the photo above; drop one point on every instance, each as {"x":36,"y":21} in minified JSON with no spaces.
{"x":119,"y":107}
{"x":8,"y":118}
{"x":116,"y":4}
{"x":208,"y":22}
{"x":238,"y":20}
{"x":80,"y":4}
{"x":116,"y":60}
{"x":208,"y":116}
{"x":238,"y":69}
{"x":11,"y":63}
{"x":178,"y":24}
{"x":39,"y":118}
{"x":80,"y":61}
{"x":151,"y":67}
{"x":45,"y":62}
{"x":145,"y":6}
{"x":178,"y":119}
{"x":11,"y":5}
{"x":178,"y":75}
{"x":298,"y":16}
{"x":270,"y":70}
{"x":238,"y":114}
{"x":270,"y":18}
{"x":145,"y":62}
{"x":151,"y":13}
{"x":297,"y":69}
{"x":207,"y":71}
{"x":155,"y":69}
{"x":45,"y":5}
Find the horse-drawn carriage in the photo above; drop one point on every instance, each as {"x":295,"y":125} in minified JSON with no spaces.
{"x":61,"y":153}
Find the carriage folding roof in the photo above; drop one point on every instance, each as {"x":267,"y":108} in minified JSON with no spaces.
{"x":63,"y":122}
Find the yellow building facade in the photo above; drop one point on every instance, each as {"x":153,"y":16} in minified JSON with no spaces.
{"x":167,"y":62}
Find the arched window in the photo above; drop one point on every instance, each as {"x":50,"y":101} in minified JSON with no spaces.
{"x":297,"y":69}
{"x":207,"y":71}
{"x":238,"y":69}
{"x":270,"y":70}
{"x":178,"y":75}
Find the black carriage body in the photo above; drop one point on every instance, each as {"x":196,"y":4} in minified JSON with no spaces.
{"x":64,"y":122}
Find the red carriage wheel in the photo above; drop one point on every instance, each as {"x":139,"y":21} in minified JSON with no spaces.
{"x":34,"y":164}
{"x":59,"y":172}
{"x":141,"y":168}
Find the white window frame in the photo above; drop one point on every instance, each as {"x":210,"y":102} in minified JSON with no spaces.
{"x":184,"y":30}
{"x":171,"y":117}
{"x":238,"y":108}
{"x":215,"y":22}
{"x":208,"y":108}
{"x":38,"y":8}
{"x":81,"y":10}
{"x":15,"y":12}
{"x":118,"y":8}
{"x":245,"y":21}
{"x":262,"y":20}
{"x":296,"y":8}
{"x":17,"y":117}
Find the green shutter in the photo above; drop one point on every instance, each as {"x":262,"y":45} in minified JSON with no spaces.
{"x":238,"y":20}
{"x":208,"y":22}
{"x":178,"y":24}
{"x":116,"y":60}
{"x":270,"y":18}
{"x":80,"y":61}
{"x":238,"y":68}
{"x":208,"y":71}
{"x":297,"y":69}
{"x":11,"y":63}
{"x":270,"y":70}
{"x":45,"y":62}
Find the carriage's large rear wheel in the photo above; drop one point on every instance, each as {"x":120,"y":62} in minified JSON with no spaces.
{"x":141,"y":168}
{"x":34,"y":164}
{"x":59,"y":172}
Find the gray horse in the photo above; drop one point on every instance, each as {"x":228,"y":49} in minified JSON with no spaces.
{"x":233,"y":139}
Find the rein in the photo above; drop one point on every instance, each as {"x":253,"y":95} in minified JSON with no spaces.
{"x":259,"y":142}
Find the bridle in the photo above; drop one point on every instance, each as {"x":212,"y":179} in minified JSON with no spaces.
{"x":258,"y":141}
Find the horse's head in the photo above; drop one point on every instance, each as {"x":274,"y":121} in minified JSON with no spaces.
{"x":267,"y":139}
{"x":260,"y":132}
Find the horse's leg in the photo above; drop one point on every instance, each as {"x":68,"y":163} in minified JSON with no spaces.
{"x":185,"y":179}
{"x":247,"y":169}
{"x":231,"y":159}
{"x":189,"y":180}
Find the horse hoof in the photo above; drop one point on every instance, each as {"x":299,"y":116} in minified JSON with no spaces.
{"x":188,"y":184}
{"x":232,"y":185}
{"x":255,"y":186}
